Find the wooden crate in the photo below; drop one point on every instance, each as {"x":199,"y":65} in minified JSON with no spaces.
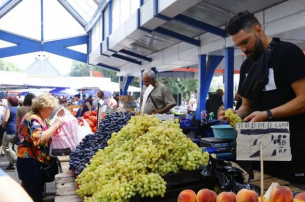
{"x":65,"y":183}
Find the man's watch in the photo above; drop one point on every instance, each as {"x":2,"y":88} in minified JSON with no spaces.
{"x":269,"y":113}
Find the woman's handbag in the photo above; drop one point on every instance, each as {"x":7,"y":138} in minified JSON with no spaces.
{"x":49,"y":172}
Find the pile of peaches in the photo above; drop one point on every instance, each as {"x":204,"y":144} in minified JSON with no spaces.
{"x":278,"y":194}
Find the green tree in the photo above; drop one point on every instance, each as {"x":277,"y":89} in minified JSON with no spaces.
{"x":181,"y":86}
{"x":7,"y":66}
{"x":79,"y":69}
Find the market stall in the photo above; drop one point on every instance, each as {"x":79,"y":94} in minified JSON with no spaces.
{"x":127,"y":148}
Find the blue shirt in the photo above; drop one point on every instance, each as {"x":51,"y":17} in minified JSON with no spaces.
{"x":80,"y":102}
{"x":10,"y":127}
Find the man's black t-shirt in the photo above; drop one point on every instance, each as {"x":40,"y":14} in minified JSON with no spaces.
{"x":287,"y":66}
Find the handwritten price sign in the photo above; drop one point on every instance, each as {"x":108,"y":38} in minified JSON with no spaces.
{"x":275,"y":137}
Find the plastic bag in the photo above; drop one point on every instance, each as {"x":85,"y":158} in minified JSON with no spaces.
{"x":84,"y":130}
{"x":228,"y":178}
{"x":65,"y":138}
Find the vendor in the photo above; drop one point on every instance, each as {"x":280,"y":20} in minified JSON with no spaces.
{"x":160,"y":99}
{"x":283,"y":98}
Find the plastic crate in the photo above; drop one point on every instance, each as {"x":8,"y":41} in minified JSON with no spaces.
{"x":185,"y":123}
{"x":224,"y":132}
{"x":183,"y":177}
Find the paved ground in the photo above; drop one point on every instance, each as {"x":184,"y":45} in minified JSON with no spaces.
{"x":50,"y":187}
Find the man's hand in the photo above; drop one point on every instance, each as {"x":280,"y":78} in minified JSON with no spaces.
{"x":157,"y":111}
{"x":223,"y":116}
{"x":258,"y":116}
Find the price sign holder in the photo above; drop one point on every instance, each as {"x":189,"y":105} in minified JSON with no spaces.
{"x":263,"y":141}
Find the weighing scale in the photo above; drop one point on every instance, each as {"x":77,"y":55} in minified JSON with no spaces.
{"x":222,"y":148}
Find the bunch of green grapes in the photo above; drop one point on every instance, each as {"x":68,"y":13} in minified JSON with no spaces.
{"x":234,"y":118}
{"x":136,"y":158}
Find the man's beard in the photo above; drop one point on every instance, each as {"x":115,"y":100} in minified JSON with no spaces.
{"x":258,"y":49}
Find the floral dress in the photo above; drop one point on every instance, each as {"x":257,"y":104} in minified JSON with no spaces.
{"x":29,"y":132}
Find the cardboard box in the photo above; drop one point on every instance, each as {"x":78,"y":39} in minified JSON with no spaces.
{"x":126,"y":98}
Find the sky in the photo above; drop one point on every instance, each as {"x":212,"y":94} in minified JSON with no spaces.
{"x":25,"y":20}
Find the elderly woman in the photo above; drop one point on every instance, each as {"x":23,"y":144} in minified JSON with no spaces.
{"x":35,"y":135}
{"x":9,"y":124}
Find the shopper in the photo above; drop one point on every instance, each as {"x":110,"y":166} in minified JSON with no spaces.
{"x":9,"y":125}
{"x":35,"y":135}
{"x":282,"y":99}
{"x":213,"y":103}
{"x":2,"y":112}
{"x":11,"y":191}
{"x":160,"y":99}
{"x":27,"y":103}
{"x":87,"y":106}
{"x":112,"y":102}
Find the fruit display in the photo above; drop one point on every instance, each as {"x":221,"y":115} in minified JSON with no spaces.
{"x":234,"y":118}
{"x":278,"y":194}
{"x":299,"y":197}
{"x":246,"y":195}
{"x":136,"y":158}
{"x":92,"y":143}
{"x":71,"y":109}
{"x":91,"y":119}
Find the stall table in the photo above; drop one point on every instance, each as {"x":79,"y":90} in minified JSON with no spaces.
{"x":66,"y":186}
{"x":65,"y":183}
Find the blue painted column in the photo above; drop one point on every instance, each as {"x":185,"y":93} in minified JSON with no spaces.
{"x":229,"y":77}
{"x":128,"y":81}
{"x":154,"y":69}
{"x":202,"y":69}
{"x":141,"y":2}
{"x":121,"y":84}
{"x":205,"y":74}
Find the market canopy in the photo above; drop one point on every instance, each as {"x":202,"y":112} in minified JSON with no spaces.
{"x":16,"y":80}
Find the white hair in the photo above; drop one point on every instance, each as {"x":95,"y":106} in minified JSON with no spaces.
{"x":149,"y":73}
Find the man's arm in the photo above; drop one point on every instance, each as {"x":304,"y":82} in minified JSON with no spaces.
{"x":294,"y":107}
{"x":164,"y":110}
{"x":169,"y":102}
{"x":244,"y":110}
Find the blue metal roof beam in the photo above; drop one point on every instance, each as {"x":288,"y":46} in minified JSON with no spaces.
{"x":190,"y":22}
{"x":59,"y":47}
{"x":108,"y":67}
{"x":126,"y":58}
{"x":8,"y":6}
{"x":23,"y":45}
{"x":97,"y":15}
{"x":73,"y":12}
{"x":168,"y":33}
{"x":127,"y":52}
{"x":201,"y":25}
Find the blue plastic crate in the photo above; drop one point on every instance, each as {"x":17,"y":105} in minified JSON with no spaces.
{"x":185,"y":122}
{"x":224,"y":132}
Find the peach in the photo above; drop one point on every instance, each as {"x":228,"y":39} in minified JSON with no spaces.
{"x":246,"y":195}
{"x":299,"y":197}
{"x":187,"y":195}
{"x":226,"y":197}
{"x":281,"y":194}
{"x":206,"y":195}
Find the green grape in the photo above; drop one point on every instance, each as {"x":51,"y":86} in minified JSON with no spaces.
{"x":234,"y":118}
{"x":136,"y":158}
